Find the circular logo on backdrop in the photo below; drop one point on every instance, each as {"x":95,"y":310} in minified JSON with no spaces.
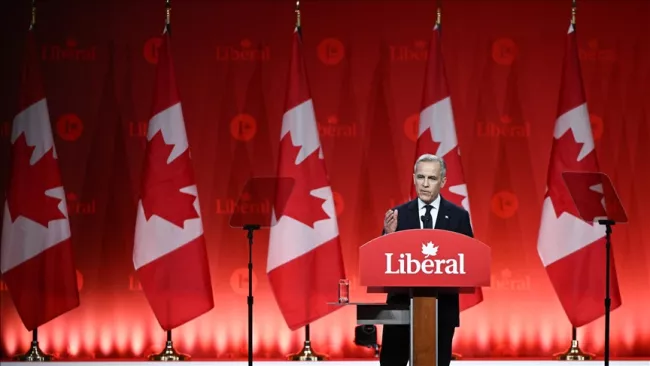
{"x":243,"y":127}
{"x":504,"y":51}
{"x":239,"y":281}
{"x":339,"y":204}
{"x":505,"y":119}
{"x":330,"y":51}
{"x":412,"y":127}
{"x":597,"y":126}
{"x":150,"y":49}
{"x":504,"y":204}
{"x":69,"y":127}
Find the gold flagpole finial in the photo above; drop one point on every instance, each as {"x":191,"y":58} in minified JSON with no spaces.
{"x":573,"y":12}
{"x":32,"y":22}
{"x":168,"y":17}
{"x":438,"y":15}
{"x":298,"y":13}
{"x":168,"y":12}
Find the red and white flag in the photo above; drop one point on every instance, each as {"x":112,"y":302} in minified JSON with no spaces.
{"x":572,"y":250}
{"x":170,"y":254}
{"x":437,"y":135}
{"x":36,"y":256}
{"x":305,"y":261}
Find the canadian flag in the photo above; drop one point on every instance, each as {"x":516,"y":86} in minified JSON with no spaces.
{"x":36,"y":256}
{"x":437,"y":135}
{"x":170,"y":254}
{"x":572,"y":250}
{"x":305,"y":261}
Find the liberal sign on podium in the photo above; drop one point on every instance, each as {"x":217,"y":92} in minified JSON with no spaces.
{"x":421,"y":262}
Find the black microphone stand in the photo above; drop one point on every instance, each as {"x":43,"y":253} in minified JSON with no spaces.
{"x":608,"y":302}
{"x":250,"y":229}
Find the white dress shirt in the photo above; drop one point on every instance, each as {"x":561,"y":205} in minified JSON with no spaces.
{"x":434,"y":211}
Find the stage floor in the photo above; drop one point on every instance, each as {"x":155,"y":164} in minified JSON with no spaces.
{"x":339,"y":363}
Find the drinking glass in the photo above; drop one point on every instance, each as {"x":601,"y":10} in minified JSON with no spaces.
{"x":344,"y":291}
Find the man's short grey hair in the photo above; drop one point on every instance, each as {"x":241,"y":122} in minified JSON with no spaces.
{"x":432,"y":158}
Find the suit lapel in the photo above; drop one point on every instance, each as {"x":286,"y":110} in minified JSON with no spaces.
{"x":442,"y":223}
{"x":413,"y":220}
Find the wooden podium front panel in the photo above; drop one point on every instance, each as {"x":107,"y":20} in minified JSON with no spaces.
{"x":424,"y":331}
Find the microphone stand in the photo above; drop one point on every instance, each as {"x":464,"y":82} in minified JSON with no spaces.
{"x":250,"y":229}
{"x":608,"y":301}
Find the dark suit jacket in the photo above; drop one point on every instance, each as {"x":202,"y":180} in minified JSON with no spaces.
{"x":408,"y":217}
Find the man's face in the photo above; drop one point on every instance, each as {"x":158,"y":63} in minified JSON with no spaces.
{"x":427,"y":180}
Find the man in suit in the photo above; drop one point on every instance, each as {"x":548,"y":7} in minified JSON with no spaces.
{"x":428,"y":210}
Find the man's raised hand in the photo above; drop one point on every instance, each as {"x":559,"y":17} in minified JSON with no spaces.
{"x":390,"y":221}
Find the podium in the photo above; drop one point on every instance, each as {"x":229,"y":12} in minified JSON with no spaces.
{"x":422,"y":263}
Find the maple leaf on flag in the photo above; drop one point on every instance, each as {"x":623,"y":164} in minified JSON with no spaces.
{"x":565,"y":158}
{"x":163,"y":181}
{"x":309,"y":175}
{"x":429,"y":249}
{"x":30,"y":182}
{"x":588,"y":194}
{"x":427,"y":144}
{"x":454,"y":176}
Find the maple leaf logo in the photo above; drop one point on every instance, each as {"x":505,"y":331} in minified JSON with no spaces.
{"x":163,"y":181}
{"x":308,"y":175}
{"x":565,"y":158}
{"x":29,"y":183}
{"x":429,"y":249}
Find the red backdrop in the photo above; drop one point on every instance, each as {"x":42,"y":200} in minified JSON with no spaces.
{"x":365,"y":61}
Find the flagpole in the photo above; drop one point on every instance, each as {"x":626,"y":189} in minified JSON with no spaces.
{"x":574,"y":353}
{"x":168,"y":353}
{"x":35,"y":354}
{"x":307,"y":353}
{"x":454,"y":355}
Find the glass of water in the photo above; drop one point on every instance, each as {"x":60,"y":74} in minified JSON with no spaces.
{"x":344,"y":291}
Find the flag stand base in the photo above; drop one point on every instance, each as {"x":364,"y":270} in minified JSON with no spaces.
{"x":574,"y":353}
{"x":35,"y":354}
{"x":307,"y":354}
{"x":169,"y":353}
